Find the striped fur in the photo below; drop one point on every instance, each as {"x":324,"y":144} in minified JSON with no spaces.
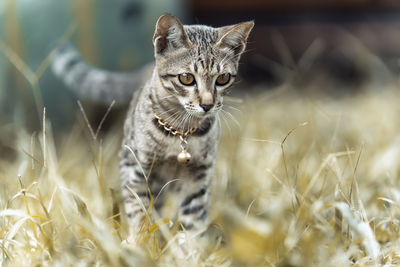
{"x":95,"y":84}
{"x":202,"y":51}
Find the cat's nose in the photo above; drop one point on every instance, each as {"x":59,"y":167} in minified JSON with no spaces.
{"x":206,"y":107}
{"x":206,"y":100}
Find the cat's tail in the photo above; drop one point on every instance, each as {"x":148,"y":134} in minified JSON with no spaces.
{"x":93,"y":84}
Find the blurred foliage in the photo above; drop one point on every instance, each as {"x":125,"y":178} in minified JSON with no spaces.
{"x":304,"y":181}
{"x":115,"y":35}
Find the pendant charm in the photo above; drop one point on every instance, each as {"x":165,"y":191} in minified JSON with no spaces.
{"x":184,"y":157}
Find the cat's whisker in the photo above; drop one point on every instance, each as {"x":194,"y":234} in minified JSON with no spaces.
{"x":187,"y":122}
{"x":178,"y":118}
{"x":183,"y":121}
{"x":230,"y":53}
{"x":170,"y":113}
{"x":225,"y":57}
{"x":234,"y":108}
{"x":167,"y":111}
{"x":190,"y":122}
{"x":219,"y":121}
{"x":233,"y":52}
{"x":227,"y":123}
{"x":173,"y":117}
{"x":191,"y":118}
{"x":232,"y":117}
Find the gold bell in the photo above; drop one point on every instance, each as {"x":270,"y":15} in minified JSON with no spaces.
{"x":184,"y":157}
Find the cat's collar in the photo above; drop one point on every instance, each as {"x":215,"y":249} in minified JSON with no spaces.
{"x":168,"y":128}
{"x":184,"y":156}
{"x":173,"y":130}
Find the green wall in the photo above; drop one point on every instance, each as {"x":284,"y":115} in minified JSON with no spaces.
{"x":111,"y":34}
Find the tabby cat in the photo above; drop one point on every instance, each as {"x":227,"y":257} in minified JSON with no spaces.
{"x":170,"y":131}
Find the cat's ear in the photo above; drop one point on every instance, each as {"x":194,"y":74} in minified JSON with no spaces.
{"x":169,"y":33}
{"x":233,"y":38}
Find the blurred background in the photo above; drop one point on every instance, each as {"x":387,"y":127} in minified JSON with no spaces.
{"x":332,"y":46}
{"x":308,"y":171}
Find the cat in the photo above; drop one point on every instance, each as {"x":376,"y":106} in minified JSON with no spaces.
{"x":170,"y":132}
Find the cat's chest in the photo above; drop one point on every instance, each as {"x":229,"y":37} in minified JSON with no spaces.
{"x":198,"y":147}
{"x":203,"y":156}
{"x":166,"y":145}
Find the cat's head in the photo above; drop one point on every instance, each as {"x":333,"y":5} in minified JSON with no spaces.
{"x":196,"y":63}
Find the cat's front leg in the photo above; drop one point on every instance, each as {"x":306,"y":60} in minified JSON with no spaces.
{"x":135,"y":192}
{"x":193,"y":209}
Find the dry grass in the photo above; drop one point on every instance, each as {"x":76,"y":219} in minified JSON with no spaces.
{"x":303,"y":181}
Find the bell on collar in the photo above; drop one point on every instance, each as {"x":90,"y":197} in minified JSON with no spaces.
{"x":184,"y":157}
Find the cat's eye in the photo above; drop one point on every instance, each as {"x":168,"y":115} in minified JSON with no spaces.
{"x":223,"y":79}
{"x":187,"y":79}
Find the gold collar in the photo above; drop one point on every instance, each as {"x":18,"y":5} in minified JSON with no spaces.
{"x":184,"y":156}
{"x":173,"y":130}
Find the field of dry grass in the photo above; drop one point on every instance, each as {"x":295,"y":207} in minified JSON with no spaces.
{"x":301,"y":181}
